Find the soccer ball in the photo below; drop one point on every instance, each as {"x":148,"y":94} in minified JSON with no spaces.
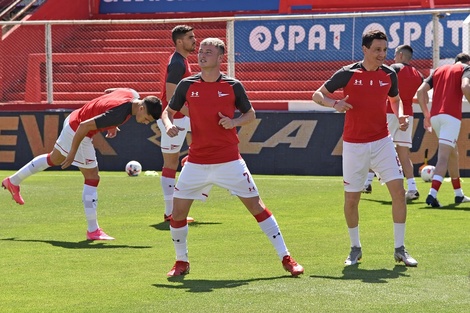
{"x":133,"y":168}
{"x":427,"y":172}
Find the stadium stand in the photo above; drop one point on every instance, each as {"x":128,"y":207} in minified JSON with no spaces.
{"x":87,"y":60}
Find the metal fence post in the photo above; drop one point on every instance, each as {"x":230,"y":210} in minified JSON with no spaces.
{"x":49,"y":78}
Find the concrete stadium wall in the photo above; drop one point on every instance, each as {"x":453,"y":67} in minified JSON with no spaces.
{"x":297,"y":143}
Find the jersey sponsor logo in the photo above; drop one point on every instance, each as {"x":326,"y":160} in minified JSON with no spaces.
{"x":194,"y":94}
{"x":381,"y":83}
{"x":358,"y":82}
{"x":221,"y":94}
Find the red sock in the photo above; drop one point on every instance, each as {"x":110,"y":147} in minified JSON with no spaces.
{"x":456,"y":183}
{"x":263,"y":215}
{"x":436,"y":184}
{"x":168,"y":172}
{"x":178,"y":224}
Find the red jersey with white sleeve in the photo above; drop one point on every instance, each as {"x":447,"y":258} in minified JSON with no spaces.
{"x":368,"y":92}
{"x":211,"y":143}
{"x":409,"y":80}
{"x":108,"y":111}
{"x":178,"y":68}
{"x":447,"y":84}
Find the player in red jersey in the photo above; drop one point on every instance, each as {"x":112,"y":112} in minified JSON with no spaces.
{"x":366,"y":141}
{"x":214,"y":159}
{"x":177,"y":68}
{"x":409,"y":79}
{"x":450,"y":84}
{"x":75,"y":147}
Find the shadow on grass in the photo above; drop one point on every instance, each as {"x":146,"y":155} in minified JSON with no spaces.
{"x":166,"y":225}
{"x":85,"y":244}
{"x":203,"y":285}
{"x":452,"y":206}
{"x":353,"y":272}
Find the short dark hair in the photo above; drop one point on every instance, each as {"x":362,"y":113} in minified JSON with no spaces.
{"x":368,"y":37}
{"x":406,"y":50}
{"x":153,"y":105}
{"x":462,"y":57}
{"x":179,"y":31}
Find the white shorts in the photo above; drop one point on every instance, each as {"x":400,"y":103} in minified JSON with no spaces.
{"x":380,"y":156}
{"x":173,"y":144}
{"x":447,"y":128}
{"x":400,"y":138}
{"x":86,"y":155}
{"x":196,"y":180}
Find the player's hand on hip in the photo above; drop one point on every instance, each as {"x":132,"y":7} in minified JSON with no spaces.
{"x":342,"y":105}
{"x":184,"y":160}
{"x":427,"y":124}
{"x":404,"y":122}
{"x":174,"y":130}
{"x":226,"y":122}
{"x":112,"y":132}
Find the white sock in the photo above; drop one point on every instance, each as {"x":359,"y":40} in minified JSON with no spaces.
{"x":354,"y":236}
{"x":168,"y":188}
{"x":370,"y":178}
{"x":411,"y":184}
{"x":90,"y":203}
{"x":34,"y":166}
{"x":399,"y":234}
{"x":438,"y":178}
{"x":179,"y":237}
{"x":458,"y":192}
{"x":271,"y":229}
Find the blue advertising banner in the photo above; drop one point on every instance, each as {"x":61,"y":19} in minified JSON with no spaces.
{"x":168,"y":6}
{"x":291,"y":143}
{"x":339,"y":39}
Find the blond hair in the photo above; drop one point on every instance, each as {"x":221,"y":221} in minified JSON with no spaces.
{"x":216,"y":42}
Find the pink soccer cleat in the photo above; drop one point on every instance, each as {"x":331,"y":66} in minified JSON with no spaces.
{"x":98,"y":234}
{"x":290,"y":265}
{"x":14,"y":190}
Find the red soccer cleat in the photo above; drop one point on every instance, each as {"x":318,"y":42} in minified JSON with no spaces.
{"x":180,"y":268}
{"x":291,"y":266}
{"x":167,"y":218}
{"x":13,"y":189}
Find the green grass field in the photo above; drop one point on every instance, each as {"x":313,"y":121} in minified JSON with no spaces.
{"x":46,"y":265}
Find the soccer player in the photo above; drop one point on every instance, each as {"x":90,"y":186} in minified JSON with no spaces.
{"x":409,"y":79}
{"x":214,"y":159}
{"x":75,"y":147}
{"x":450,"y":82}
{"x":366,"y":141}
{"x":178,"y":68}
